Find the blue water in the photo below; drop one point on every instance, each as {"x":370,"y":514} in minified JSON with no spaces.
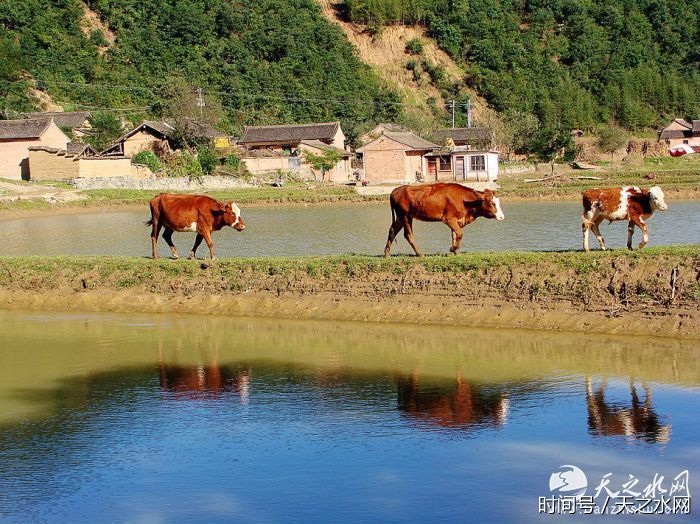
{"x":149,"y":418}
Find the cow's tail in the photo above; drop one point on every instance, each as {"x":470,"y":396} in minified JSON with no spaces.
{"x":393,"y":218}
{"x":149,"y":222}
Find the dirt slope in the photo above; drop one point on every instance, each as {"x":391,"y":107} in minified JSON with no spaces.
{"x":387,"y":55}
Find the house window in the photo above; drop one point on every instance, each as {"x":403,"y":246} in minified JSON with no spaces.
{"x":477,"y":163}
{"x":445,"y":163}
{"x":685,"y":141}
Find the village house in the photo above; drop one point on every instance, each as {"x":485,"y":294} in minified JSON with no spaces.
{"x":476,"y":137}
{"x":461,"y":164}
{"x":17,"y":136}
{"x":150,"y":135}
{"x":159,"y":137}
{"x":395,"y":157}
{"x":268,"y":149}
{"x":74,"y":123}
{"x":680,"y":132}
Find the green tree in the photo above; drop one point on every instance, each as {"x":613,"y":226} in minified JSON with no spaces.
{"x":611,"y":138}
{"x":554,"y":144}
{"x":208,"y":159}
{"x":323,"y":162}
{"x":148,"y":159}
{"x":106,"y":129}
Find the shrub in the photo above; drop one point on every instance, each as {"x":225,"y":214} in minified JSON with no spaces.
{"x":149,"y":159}
{"x":233,"y":161}
{"x":414,"y":46}
{"x":208,"y":160}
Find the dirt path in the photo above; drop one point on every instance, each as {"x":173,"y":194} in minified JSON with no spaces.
{"x":12,"y":192}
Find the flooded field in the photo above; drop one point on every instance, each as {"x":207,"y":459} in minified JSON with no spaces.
{"x":336,"y":229}
{"x":148,"y":418}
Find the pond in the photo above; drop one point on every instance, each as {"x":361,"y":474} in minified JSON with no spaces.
{"x":149,"y":418}
{"x":336,"y":229}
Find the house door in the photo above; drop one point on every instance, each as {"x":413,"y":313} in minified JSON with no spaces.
{"x":459,"y":168}
{"x":432,"y":169}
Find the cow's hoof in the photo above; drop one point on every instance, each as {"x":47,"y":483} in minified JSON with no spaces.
{"x":191,"y":256}
{"x":174,"y":256}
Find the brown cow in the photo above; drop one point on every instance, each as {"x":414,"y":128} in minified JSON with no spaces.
{"x":452,"y":204}
{"x":196,"y":213}
{"x":625,"y":203}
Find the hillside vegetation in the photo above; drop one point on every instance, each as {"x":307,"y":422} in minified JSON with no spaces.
{"x":266,"y":61}
{"x":569,"y":62}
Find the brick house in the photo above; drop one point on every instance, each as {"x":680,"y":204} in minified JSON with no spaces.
{"x":395,"y":157}
{"x":680,"y":132}
{"x":17,"y":136}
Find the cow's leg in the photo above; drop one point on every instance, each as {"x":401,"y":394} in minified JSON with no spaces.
{"x":408,"y":234}
{"x":210,"y":243}
{"x":168,"y":237}
{"x":456,"y":234}
{"x":639,"y":222}
{"x":197,"y":242}
{"x":155,"y":231}
{"x":630,"y":234}
{"x":596,"y":231}
{"x":585,"y":227}
{"x":394,"y":230}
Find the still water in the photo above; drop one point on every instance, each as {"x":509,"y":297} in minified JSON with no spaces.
{"x":336,"y":229}
{"x":148,"y":418}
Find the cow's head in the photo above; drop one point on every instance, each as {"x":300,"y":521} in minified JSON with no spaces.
{"x":656,"y":199}
{"x":491,"y":206}
{"x":232,"y":216}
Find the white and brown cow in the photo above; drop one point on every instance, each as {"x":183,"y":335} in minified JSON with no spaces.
{"x":620,"y":203}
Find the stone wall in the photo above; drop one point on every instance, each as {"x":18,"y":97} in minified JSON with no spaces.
{"x":160,"y":184}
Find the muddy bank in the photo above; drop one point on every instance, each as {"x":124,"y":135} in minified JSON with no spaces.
{"x":652,"y":292}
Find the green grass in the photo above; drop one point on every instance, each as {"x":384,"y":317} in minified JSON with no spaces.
{"x":351,"y":265}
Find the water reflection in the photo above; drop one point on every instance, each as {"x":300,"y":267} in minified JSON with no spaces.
{"x":460,"y":405}
{"x":633,"y":420}
{"x":304,"y":421}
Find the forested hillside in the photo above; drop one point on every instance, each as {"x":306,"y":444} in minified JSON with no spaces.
{"x":266,"y":61}
{"x":569,"y":62}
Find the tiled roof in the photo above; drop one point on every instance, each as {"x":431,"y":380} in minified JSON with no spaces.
{"x":410,"y":139}
{"x":23,"y":129}
{"x":472,"y":135}
{"x":325,"y":147}
{"x":289,"y":133}
{"x":73,"y":119}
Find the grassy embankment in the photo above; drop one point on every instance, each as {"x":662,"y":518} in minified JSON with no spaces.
{"x":615,"y":291}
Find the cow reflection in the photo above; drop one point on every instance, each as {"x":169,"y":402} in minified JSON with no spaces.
{"x":461,"y":405}
{"x":204,"y":381}
{"x":636,"y":421}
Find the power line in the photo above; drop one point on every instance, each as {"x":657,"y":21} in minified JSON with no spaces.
{"x":255,"y":96}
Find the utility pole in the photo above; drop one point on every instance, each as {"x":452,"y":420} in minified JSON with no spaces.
{"x":452,"y":103}
{"x":469,"y":112}
{"x":200,"y":102}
